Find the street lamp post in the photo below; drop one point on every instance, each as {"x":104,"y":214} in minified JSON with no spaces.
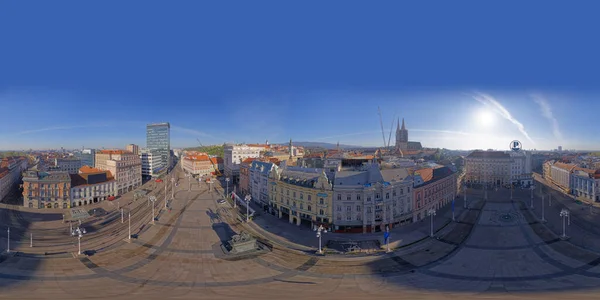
{"x":122,"y":216}
{"x":227,"y":181}
{"x":152,"y":199}
{"x":431,"y":213}
{"x":247,"y":198}
{"x":8,"y":240}
{"x":543,"y":213}
{"x":320,"y":231}
{"x":79,"y":232}
{"x":387,"y":238}
{"x":165,"y":194}
{"x":564,"y":213}
{"x":129,"y":221}
{"x":465,"y":195}
{"x":172,"y":188}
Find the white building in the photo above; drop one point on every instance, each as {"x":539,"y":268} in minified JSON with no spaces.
{"x":258,"y":181}
{"x":368,"y":201}
{"x":69,"y":165}
{"x":152,"y":163}
{"x":521,"y":172}
{"x":492,"y":167}
{"x":235,"y":154}
{"x":125,"y":166}
{"x":585,"y":183}
{"x":92,"y":186}
{"x":560,"y":175}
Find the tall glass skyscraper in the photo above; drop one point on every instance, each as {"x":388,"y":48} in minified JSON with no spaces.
{"x":158,"y":138}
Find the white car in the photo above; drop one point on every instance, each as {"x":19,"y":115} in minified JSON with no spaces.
{"x":221,"y":201}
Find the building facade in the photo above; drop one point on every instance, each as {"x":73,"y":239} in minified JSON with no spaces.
{"x":197,"y":165}
{"x":11,"y":170}
{"x":91,"y":186}
{"x":234,"y":155}
{"x":585,"y":184}
{"x":301,"y":196}
{"x":491,"y":167}
{"x":244,"y":182}
{"x":258,"y":181}
{"x":158,"y":137}
{"x":133,"y":148}
{"x":69,"y":165}
{"x":88,"y":157}
{"x":152,"y":164}
{"x":125,"y":166}
{"x":560,"y":175}
{"x":46,"y":189}
{"x":434,"y":189}
{"x":370,"y":200}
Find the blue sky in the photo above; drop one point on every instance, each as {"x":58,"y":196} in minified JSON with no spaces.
{"x":463,"y":74}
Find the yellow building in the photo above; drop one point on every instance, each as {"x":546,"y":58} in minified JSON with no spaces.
{"x":302,"y":195}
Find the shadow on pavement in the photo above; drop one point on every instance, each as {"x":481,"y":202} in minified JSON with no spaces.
{"x":19,"y":223}
{"x":223,"y":231}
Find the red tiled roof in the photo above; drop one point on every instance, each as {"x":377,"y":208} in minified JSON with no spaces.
{"x":426,"y":174}
{"x":566,"y":167}
{"x":197,"y":157}
{"x":248,"y":160}
{"x":216,"y":160}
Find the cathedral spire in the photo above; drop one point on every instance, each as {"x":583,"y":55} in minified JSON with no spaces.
{"x":403,"y":127}
{"x":398,"y":125}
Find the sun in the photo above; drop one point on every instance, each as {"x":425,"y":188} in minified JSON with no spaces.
{"x":485,"y":118}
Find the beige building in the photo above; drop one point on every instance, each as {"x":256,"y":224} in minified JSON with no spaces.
{"x":135,"y":149}
{"x":301,"y":195}
{"x":46,"y":189}
{"x":493,"y":167}
{"x":125,"y":166}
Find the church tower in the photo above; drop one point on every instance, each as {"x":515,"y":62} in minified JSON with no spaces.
{"x":401,"y":137}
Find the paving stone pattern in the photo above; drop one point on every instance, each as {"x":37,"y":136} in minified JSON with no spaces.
{"x":497,"y":248}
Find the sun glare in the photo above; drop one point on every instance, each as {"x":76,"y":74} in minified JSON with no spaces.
{"x":485,"y":118}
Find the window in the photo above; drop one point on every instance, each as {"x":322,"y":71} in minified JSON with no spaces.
{"x":369,"y":209}
{"x":309,"y":198}
{"x":294,"y":193}
{"x":348,"y":197}
{"x":309,"y":208}
{"x":321,"y":201}
{"x":358,"y":208}
{"x":387,"y":195}
{"x":339,"y":208}
{"x":321,"y":212}
{"x":348,"y":208}
{"x":301,"y":206}
{"x":339,"y":196}
{"x":301,"y":196}
{"x":357,"y":196}
{"x":377,"y":196}
{"x":348,"y":218}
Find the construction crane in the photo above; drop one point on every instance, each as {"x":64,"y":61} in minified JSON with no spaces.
{"x":390,"y":137}
{"x":215,"y":166}
{"x":381,"y":122}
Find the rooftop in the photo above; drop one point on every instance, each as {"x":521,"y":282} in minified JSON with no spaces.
{"x":488,"y":154}
{"x":115,"y":151}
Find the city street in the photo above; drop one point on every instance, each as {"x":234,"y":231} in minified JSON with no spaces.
{"x":497,"y":247}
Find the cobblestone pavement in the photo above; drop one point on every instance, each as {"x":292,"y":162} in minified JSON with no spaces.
{"x":497,"y":250}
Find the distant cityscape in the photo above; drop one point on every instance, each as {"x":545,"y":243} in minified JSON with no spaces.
{"x":403,"y":180}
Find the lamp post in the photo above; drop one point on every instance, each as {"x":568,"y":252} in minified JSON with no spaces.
{"x":387,"y":238}
{"x":431,"y":213}
{"x":165,"y":194}
{"x":122,"y":216}
{"x":172,"y":187}
{"x":129,"y":221}
{"x":227,"y":183}
{"x":8,"y":240}
{"x":564,"y":213}
{"x":152,"y":199}
{"x":320,"y":230}
{"x":543,"y":213}
{"x":465,"y":195}
{"x":247,"y":198}
{"x":79,"y":232}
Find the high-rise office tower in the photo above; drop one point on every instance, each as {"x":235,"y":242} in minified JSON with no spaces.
{"x":158,"y":138}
